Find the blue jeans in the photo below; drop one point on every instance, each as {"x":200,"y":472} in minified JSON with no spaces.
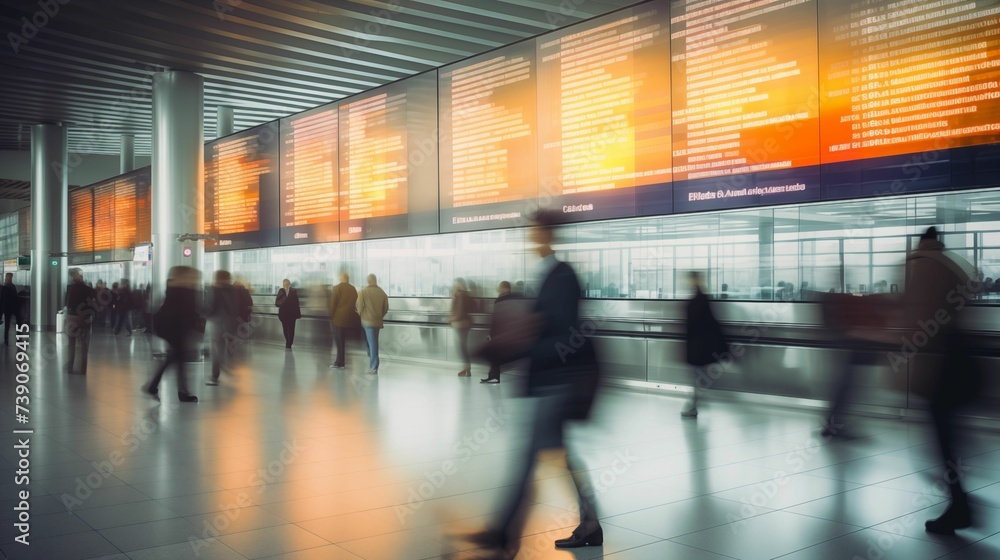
{"x":371,"y":337}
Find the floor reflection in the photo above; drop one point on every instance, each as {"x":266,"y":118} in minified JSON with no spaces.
{"x":290,"y":459}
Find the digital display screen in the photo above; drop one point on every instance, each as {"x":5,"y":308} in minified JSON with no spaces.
{"x":389,"y":160}
{"x":604,"y":114}
{"x":664,"y":107}
{"x":125,"y":217}
{"x":906,"y":77}
{"x":489,"y":139}
{"x":241,"y":189}
{"x":81,"y":226}
{"x":104,"y":221}
{"x":143,"y":206}
{"x":309,"y":205}
{"x":745,"y":103}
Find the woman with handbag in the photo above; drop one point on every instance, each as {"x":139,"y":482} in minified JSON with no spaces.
{"x":460,"y":319}
{"x":289,"y":311}
{"x":175,"y":322}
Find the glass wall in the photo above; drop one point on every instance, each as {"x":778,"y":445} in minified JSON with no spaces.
{"x":8,"y":236}
{"x":779,"y":253}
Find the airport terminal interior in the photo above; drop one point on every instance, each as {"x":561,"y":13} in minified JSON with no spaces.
{"x":500,"y":279}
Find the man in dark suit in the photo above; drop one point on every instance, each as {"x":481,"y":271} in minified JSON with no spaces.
{"x":10,"y":306}
{"x":562,"y":378}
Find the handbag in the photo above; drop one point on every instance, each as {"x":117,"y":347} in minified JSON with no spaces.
{"x":162,"y":324}
{"x":513,"y":341}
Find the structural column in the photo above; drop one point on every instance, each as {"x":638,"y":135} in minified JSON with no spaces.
{"x":127,"y":153}
{"x":178,"y":174}
{"x":223,"y":121}
{"x":223,"y":127}
{"x":49,"y":210}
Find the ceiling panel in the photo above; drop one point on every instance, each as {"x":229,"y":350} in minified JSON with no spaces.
{"x":91,"y":64}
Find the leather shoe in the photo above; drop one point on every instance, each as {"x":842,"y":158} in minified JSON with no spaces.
{"x":957,"y":516}
{"x":578,"y":540}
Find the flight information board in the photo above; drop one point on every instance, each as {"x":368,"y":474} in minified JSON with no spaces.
{"x":308,"y":196}
{"x":908,"y":76}
{"x":488,"y":139}
{"x":104,"y":221}
{"x":745,"y":101}
{"x":125,"y":218}
{"x":389,"y":160}
{"x":81,"y":226}
{"x":143,"y":206}
{"x":241,"y":189}
{"x":604,"y":107}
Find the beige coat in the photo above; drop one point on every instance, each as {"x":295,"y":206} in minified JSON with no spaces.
{"x":373,"y":305}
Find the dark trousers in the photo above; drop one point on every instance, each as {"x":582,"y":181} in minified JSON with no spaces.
{"x":494,"y":372}
{"x":288,"y":328}
{"x":124,"y":321}
{"x":340,"y":341}
{"x":8,"y":319}
{"x":176,"y":354}
{"x":78,"y":329}
{"x":845,"y":385}
{"x":958,"y":385}
{"x":551,"y":412}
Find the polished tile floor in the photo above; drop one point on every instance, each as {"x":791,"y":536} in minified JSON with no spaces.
{"x":290,"y":460}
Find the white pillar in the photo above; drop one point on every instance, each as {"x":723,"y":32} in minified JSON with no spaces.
{"x":178,"y":195}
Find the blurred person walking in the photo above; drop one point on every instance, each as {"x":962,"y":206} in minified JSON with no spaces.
{"x":139,"y":308}
{"x":10,"y":306}
{"x":223,"y":319}
{"x":289,"y":311}
{"x":81,"y":306}
{"x":373,"y":305}
{"x":176,"y":322}
{"x":939,"y":286}
{"x":344,"y":317}
{"x":123,"y":307}
{"x":461,"y":320}
{"x":113,"y":304}
{"x":507,"y":309}
{"x":245,"y":301}
{"x":562,"y":379}
{"x":705,"y":342}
